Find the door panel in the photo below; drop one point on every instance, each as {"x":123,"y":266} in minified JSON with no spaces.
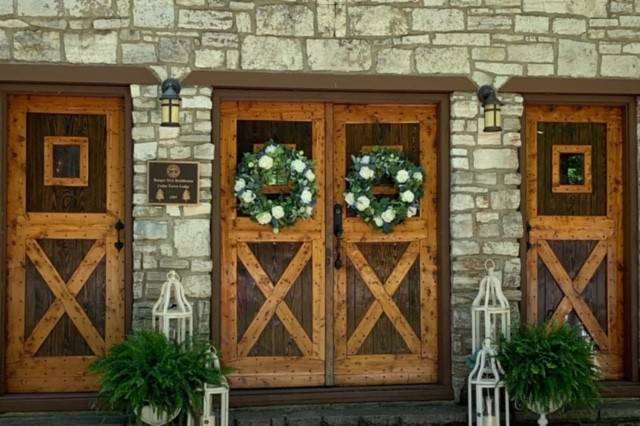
{"x":273,"y":284}
{"x":575,"y":255}
{"x":65,"y":292}
{"x":386,"y":294}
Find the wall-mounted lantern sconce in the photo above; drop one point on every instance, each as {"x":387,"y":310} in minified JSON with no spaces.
{"x":491,"y":105}
{"x":170,"y":103}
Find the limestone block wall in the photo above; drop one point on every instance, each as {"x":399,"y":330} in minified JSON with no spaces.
{"x":485,"y":217}
{"x":486,"y":40}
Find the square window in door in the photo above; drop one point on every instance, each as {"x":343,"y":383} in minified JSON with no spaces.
{"x":66,"y":161}
{"x":571,"y":169}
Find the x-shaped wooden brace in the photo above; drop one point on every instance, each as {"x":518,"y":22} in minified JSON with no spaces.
{"x":383,"y":298}
{"x":275,"y":295}
{"x":573,"y":288}
{"x":65,"y":294}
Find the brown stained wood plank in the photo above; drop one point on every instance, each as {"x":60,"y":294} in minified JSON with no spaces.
{"x":385,"y":300}
{"x":577,"y":304}
{"x":15,"y":248}
{"x":60,"y":291}
{"x":264,"y":283}
{"x":57,"y":309}
{"x":375,"y":309}
{"x":229,"y":327}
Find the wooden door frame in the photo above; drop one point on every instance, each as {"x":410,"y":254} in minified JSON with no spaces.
{"x":440,"y":391}
{"x":61,"y":401}
{"x":630,"y":387}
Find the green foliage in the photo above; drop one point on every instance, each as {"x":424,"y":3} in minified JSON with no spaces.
{"x":149,"y":369}
{"x":276,"y":164}
{"x":550,"y":365}
{"x":370,"y":169}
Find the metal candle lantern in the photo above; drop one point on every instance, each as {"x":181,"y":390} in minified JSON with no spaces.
{"x":170,"y":102}
{"x":172,"y":312}
{"x":490,"y":311}
{"x":487,"y":392}
{"x":492,"y":109}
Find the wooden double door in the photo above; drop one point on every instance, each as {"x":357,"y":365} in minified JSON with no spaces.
{"x":576,"y":239}
{"x":304,"y":307}
{"x":65,"y":270}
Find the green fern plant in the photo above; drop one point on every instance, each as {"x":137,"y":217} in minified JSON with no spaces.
{"x":149,"y":369}
{"x":548,"y":366}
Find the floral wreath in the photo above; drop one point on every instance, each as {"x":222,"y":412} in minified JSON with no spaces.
{"x":276,"y":164}
{"x":384,"y":212}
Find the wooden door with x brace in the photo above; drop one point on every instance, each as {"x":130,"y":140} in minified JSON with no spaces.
{"x":574,"y":194}
{"x":65,"y":291}
{"x":384,"y":290}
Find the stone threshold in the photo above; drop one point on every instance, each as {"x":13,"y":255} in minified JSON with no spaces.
{"x":611,"y":412}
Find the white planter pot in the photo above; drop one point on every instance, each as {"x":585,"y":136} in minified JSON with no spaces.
{"x":152,"y":417}
{"x":542,"y":414}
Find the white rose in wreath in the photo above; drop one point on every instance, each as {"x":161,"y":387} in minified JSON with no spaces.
{"x":263,"y":218}
{"x":306,"y":196}
{"x":366,"y":173}
{"x":269,"y":149}
{"x":240,"y":184}
{"x":365,"y":159}
{"x":417,"y":176}
{"x":248,"y":196}
{"x":388,"y":215}
{"x":349,"y":199}
{"x":297,"y":166}
{"x":412,"y":211}
{"x":378,"y":221}
{"x":407,"y":196}
{"x":402,"y":176}
{"x":362,"y":203}
{"x":308,"y":210}
{"x":277,"y":212}
{"x":310,"y":175}
{"x":265,"y":162}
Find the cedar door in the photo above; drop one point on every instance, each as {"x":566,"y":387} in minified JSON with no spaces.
{"x":65,"y":289}
{"x":273,"y":285}
{"x":575,"y":253}
{"x":385,"y":292}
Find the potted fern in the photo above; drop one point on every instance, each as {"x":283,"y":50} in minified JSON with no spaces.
{"x":153,"y":378}
{"x":548,"y":367}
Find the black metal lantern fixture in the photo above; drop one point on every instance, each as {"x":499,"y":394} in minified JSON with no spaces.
{"x":170,"y":103}
{"x":492,"y":106}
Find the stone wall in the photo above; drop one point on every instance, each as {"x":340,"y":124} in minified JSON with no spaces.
{"x":485,"y":218}
{"x":486,"y":40}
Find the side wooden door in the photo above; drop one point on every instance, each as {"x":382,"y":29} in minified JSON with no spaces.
{"x":385,"y":292}
{"x":273,"y":285}
{"x":574,"y":195}
{"x":65,"y":291}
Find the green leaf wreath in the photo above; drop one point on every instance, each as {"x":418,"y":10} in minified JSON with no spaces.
{"x":369,"y":169}
{"x":276,"y":164}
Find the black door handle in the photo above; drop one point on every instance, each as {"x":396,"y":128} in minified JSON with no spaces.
{"x":119,"y":227}
{"x":337,"y":220}
{"x":337,"y":231}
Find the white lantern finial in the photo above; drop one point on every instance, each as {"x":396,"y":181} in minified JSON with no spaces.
{"x":172,"y":312}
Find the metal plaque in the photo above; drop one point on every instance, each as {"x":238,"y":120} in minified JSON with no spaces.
{"x":173,"y":182}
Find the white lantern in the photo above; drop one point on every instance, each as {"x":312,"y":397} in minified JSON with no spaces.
{"x":487,"y":392}
{"x":490,"y":312}
{"x":208,"y":417}
{"x":172,"y":312}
